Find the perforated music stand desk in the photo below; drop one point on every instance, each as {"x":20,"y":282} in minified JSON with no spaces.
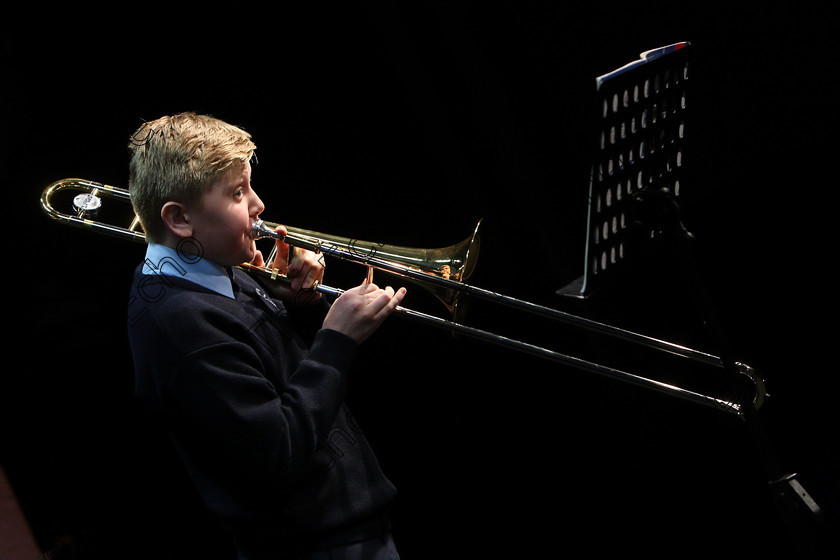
{"x":639,"y":145}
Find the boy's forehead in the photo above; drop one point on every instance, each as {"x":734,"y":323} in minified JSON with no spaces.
{"x":234,"y":174}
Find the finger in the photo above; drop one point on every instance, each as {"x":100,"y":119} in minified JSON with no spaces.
{"x":388,"y":305}
{"x":314,"y":274}
{"x":386,"y":301}
{"x":281,"y":257}
{"x":376,"y":292}
{"x":293,"y":267}
{"x":258,"y":259}
{"x":365,"y":288}
{"x":306,"y":269}
{"x":301,"y":279}
{"x":397,"y":299}
{"x":281,"y":253}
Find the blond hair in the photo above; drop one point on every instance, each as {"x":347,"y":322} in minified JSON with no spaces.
{"x":174,"y":158}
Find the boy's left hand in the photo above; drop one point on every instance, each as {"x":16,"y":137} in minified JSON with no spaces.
{"x":303,"y":270}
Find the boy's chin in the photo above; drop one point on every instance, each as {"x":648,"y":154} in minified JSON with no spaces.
{"x":245,"y":257}
{"x":251,"y":253}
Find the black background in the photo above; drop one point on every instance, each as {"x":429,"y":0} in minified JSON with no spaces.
{"x":407,"y":124}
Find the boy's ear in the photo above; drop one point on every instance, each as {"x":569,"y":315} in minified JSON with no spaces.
{"x":174,"y":215}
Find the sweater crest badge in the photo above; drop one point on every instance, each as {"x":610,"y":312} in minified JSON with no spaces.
{"x":270,"y":304}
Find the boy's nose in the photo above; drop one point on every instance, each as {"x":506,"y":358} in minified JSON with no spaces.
{"x":257,"y":205}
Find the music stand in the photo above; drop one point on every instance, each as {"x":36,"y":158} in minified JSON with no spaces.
{"x":634,"y":191}
{"x":639,"y":148}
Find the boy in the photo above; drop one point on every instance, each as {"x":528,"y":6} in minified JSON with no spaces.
{"x":248,"y":386}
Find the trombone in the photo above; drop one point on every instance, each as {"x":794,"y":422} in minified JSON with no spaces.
{"x":442,"y":271}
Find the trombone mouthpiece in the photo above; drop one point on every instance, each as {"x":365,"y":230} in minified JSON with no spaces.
{"x":260,"y":230}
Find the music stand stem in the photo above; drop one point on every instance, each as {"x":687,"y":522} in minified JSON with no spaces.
{"x":799,"y":511}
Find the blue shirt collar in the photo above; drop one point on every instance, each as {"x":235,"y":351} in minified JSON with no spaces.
{"x":161,"y":259}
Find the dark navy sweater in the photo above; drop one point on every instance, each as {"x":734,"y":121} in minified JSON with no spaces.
{"x":256,"y":412}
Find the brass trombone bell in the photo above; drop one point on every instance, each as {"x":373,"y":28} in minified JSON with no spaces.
{"x":454,"y":263}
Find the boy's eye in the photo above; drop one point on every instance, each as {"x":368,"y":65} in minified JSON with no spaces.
{"x":238,"y":193}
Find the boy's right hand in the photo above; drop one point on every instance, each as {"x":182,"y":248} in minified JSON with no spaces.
{"x":359,"y":311}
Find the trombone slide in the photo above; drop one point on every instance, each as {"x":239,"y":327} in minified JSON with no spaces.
{"x":441,"y":270}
